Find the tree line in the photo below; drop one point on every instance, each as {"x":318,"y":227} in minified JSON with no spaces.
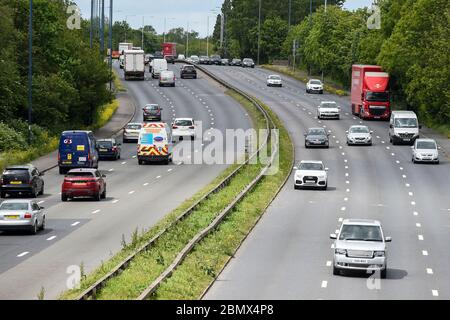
{"x":69,"y":78}
{"x":413,"y":44}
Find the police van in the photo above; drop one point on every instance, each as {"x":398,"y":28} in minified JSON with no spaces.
{"x":77,"y":149}
{"x":155,"y":143}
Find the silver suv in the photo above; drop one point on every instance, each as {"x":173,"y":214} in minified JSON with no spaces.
{"x":360,"y":245}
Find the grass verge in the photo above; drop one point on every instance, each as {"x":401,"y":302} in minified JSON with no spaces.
{"x":202,"y":265}
{"x":150,"y":264}
{"x":302,"y":76}
{"x":117,"y":83}
{"x":104,"y":114}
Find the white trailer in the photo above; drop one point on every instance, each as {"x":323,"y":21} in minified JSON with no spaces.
{"x":134,"y":64}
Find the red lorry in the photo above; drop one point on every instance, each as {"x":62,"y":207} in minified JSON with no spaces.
{"x":370,"y":92}
{"x":169,"y":49}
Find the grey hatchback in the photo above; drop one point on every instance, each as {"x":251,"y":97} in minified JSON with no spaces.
{"x":317,"y":137}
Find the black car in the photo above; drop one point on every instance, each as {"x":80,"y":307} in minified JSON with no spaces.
{"x":152,"y":112}
{"x":108,"y":149}
{"x":216,"y":59}
{"x":204,"y":60}
{"x":248,"y":63}
{"x":188,"y":71}
{"x":317,"y":137}
{"x":24,"y":179}
{"x":170,"y":59}
{"x":236,"y":62}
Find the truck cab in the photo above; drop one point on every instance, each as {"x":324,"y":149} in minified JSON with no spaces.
{"x":370,"y":92}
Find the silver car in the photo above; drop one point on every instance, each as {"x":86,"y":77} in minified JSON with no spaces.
{"x":21,"y":215}
{"x":425,"y":150}
{"x":131,"y":132}
{"x":359,"y":135}
{"x":360,"y":245}
{"x":167,"y":78}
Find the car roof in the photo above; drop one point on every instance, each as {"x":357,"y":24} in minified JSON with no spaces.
{"x":317,"y":128}
{"x":83,"y":170}
{"x":178,"y":119}
{"x":151,"y":105}
{"x":323,"y":102}
{"x":134,"y":123}
{"x":18,"y":201}
{"x":20,"y":167}
{"x":106,"y":139}
{"x":366,"y":222}
{"x":315,"y":80}
{"x":274,"y":75}
{"x":403,"y":113}
{"x":312,"y":161}
{"x":425,"y":140}
{"x":76,"y":131}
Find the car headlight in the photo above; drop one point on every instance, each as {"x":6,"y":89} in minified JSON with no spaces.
{"x":340,"y":251}
{"x":378,"y":254}
{"x":322,"y":177}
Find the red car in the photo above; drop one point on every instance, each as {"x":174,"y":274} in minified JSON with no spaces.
{"x":84,"y":183}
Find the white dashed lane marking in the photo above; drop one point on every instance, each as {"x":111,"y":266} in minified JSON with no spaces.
{"x":96,"y":211}
{"x":324,"y":284}
{"x":22,"y":254}
{"x":75,"y":223}
{"x":51,"y":238}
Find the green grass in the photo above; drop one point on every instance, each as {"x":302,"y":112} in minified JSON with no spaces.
{"x":303,"y":77}
{"x":202,"y":265}
{"x":117,"y":83}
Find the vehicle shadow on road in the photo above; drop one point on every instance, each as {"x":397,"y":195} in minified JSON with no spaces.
{"x":392,"y":274}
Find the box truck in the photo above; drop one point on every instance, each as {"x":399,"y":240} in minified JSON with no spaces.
{"x":370,"y":92}
{"x":134,"y":64}
{"x":169,"y":49}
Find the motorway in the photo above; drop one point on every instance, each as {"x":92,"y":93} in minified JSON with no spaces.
{"x":90,"y":232}
{"x":289,"y":254}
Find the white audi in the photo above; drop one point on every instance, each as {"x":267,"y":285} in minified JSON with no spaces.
{"x":328,"y":110}
{"x":311,"y":174}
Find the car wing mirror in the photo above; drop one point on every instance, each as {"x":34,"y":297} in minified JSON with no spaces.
{"x":439,"y":148}
{"x":333,"y":236}
{"x":371,"y":132}
{"x":388,"y":239}
{"x":391,"y":126}
{"x":295,"y":168}
{"x":327,"y":169}
{"x":346,"y":131}
{"x":103,"y":176}
{"x":41,"y":208}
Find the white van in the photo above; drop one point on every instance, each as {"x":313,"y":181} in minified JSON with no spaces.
{"x":404,"y":127}
{"x":155,"y":143}
{"x":158,"y":65}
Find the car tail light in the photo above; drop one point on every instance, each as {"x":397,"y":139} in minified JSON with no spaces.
{"x":27,"y":215}
{"x":191,"y":127}
{"x":114,"y":148}
{"x":174,"y":127}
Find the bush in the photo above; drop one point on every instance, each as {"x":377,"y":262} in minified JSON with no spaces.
{"x":10,"y":139}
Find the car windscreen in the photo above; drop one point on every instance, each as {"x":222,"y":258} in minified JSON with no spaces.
{"x":80,"y":174}
{"x":361,"y":233}
{"x":104,"y":144}
{"x":311,"y":166}
{"x":328,"y":105}
{"x":18,"y":173}
{"x":316,"y":132}
{"x":151,"y":108}
{"x":315,"y":82}
{"x":377,"y":96}
{"x":134,"y":127}
{"x":274,"y":78}
{"x":14,"y":206}
{"x":359,"y":130}
{"x":248,"y":60}
{"x":183,"y":123}
{"x":189,"y":68}
{"x":426,"y":145}
{"x":406,"y":123}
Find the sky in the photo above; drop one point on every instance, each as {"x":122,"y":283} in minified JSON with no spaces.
{"x":177,"y":13}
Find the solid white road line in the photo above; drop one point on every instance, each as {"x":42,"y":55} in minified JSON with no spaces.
{"x":22,"y":254}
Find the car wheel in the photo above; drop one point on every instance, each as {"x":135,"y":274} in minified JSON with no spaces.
{"x":321,"y":91}
{"x":103,"y":196}
{"x":119,"y":156}
{"x":34,"y":193}
{"x":336,"y":271}
{"x":97,"y":197}
{"x":384,"y":273}
{"x":140,"y":162}
{"x":43,"y":224}
{"x":34,"y":228}
{"x":42,"y":190}
{"x":192,"y":138}
{"x":63,"y":197}
{"x":436,"y":162}
{"x":3,"y":194}
{"x":61,"y":170}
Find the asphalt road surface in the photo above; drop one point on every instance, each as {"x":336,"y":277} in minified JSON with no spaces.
{"x":288,"y":255}
{"x":90,"y":232}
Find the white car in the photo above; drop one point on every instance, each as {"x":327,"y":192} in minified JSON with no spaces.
{"x":131,"y":132}
{"x":314,"y":85}
{"x":181,"y":57}
{"x":328,"y":110}
{"x":24,"y":215}
{"x":311,"y":174}
{"x":425,"y":150}
{"x":167,"y":78}
{"x":274,"y":81}
{"x":183,"y":128}
{"x":359,"y":135}
{"x":195,"y":59}
{"x":360,"y":246}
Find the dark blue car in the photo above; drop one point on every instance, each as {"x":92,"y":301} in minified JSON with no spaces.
{"x":77,"y":149}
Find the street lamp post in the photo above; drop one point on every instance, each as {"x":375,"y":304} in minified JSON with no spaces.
{"x":259,"y":30}
{"x":30,"y":71}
